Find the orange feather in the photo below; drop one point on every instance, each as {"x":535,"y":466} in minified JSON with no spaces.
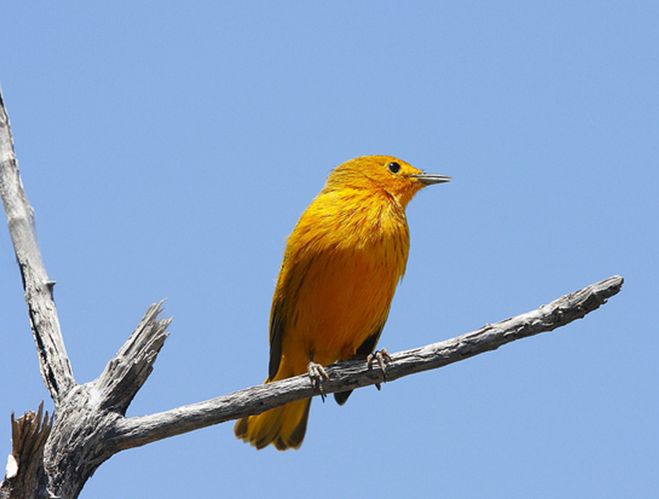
{"x":339,"y":274}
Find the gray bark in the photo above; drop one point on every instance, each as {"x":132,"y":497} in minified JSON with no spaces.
{"x":348,"y":375}
{"x":53,"y":359}
{"x":54,"y":457}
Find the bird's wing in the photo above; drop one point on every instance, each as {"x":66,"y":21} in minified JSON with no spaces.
{"x":276,"y":334}
{"x":291,"y":278}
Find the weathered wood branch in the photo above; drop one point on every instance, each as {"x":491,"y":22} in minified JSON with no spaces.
{"x":53,"y":359}
{"x":131,"y":366}
{"x":55,"y":457}
{"x":136,"y":431}
{"x":57,"y":461}
{"x":23,"y":470}
{"x":79,"y":441}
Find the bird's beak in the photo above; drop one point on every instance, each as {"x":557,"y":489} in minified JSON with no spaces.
{"x":431,"y":178}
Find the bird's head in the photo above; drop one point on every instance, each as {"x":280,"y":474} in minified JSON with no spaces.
{"x":382,"y":174}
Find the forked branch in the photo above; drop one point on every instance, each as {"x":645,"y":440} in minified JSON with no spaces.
{"x":56,"y":459}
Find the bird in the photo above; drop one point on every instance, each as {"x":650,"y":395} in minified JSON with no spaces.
{"x":340,"y":269}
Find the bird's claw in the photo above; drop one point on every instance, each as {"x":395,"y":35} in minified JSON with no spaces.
{"x":382,"y":357}
{"x":317,"y":374}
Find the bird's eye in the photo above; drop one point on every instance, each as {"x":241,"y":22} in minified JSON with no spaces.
{"x":393,"y":167}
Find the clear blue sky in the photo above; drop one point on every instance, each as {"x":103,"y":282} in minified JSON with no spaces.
{"x":168,"y":149}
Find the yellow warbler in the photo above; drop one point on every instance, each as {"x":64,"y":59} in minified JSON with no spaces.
{"x":340,"y":270}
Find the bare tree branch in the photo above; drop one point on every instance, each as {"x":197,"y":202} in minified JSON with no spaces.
{"x":53,"y":360}
{"x":23,"y":471}
{"x":89,"y":425}
{"x":136,"y":431}
{"x":131,"y":366}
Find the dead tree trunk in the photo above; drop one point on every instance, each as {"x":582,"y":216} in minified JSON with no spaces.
{"x":54,"y":457}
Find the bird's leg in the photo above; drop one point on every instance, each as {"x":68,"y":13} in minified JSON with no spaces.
{"x":382,"y":357}
{"x":317,"y":375}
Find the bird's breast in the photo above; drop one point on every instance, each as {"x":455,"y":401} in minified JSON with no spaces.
{"x":348,"y":276}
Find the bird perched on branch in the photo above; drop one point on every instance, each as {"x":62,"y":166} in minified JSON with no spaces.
{"x":340,"y":270}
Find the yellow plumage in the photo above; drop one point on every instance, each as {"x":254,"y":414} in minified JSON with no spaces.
{"x":340,"y":270}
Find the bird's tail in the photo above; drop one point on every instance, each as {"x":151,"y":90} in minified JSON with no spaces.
{"x":283,"y":426}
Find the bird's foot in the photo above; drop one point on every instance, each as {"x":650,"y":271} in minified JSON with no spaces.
{"x":317,"y":374}
{"x":382,"y":357}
